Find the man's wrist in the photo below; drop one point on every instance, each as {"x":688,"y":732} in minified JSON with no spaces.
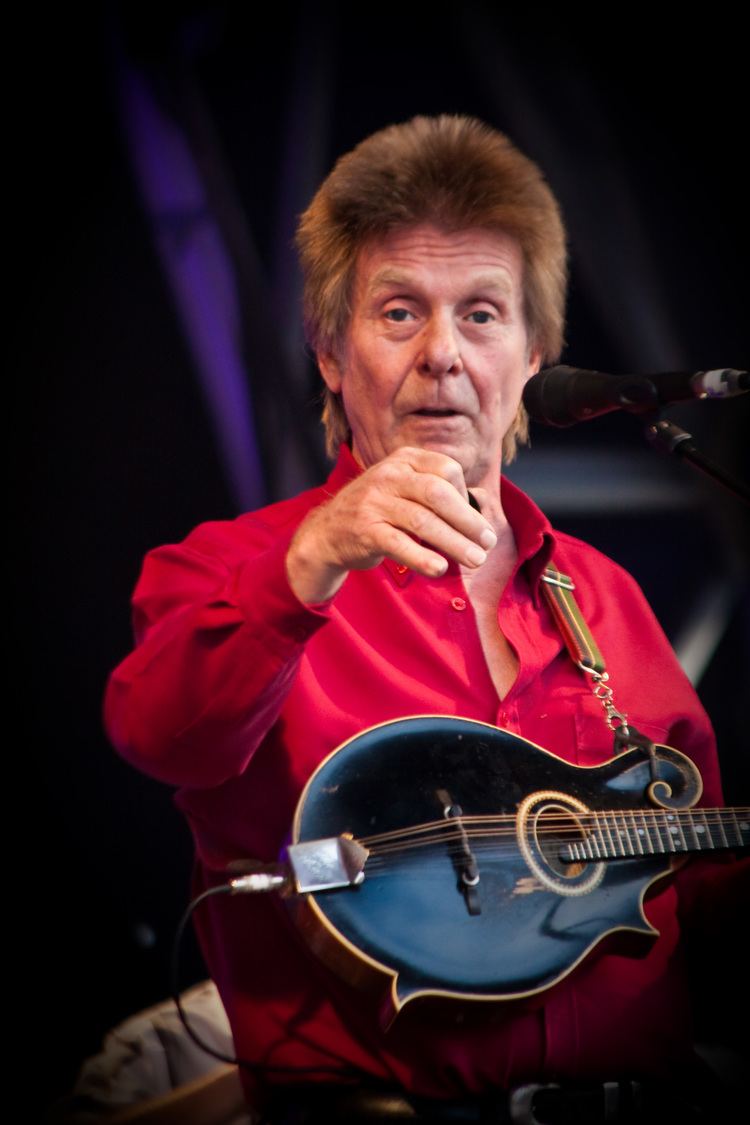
{"x":312,"y":581}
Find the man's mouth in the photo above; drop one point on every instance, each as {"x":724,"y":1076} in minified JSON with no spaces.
{"x":434,"y":413}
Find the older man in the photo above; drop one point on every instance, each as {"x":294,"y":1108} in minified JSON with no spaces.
{"x":434,"y":264}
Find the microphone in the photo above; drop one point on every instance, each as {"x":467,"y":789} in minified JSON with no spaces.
{"x":562,"y":396}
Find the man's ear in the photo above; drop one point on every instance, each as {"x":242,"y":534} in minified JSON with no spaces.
{"x":535,"y":362}
{"x":330,"y":369}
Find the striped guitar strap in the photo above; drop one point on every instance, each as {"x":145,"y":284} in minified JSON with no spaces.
{"x":585,"y":653}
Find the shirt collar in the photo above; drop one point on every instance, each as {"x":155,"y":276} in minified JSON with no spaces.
{"x":535,"y":539}
{"x":345,"y":470}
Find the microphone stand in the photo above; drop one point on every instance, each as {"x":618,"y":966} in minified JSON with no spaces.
{"x":563,"y":395}
{"x":671,"y":438}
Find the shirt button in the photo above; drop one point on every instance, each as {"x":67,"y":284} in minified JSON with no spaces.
{"x":458,"y":603}
{"x":401,"y":569}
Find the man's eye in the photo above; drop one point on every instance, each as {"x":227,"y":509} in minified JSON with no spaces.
{"x":398,"y":315}
{"x":481,"y":316}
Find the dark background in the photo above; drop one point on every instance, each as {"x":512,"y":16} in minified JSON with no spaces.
{"x":640,"y":130}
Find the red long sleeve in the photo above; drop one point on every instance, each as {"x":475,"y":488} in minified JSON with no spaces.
{"x":236,"y":692}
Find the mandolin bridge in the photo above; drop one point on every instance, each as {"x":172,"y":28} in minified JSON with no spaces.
{"x":462,"y":856}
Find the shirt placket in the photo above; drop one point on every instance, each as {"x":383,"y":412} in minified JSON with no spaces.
{"x":513,"y":610}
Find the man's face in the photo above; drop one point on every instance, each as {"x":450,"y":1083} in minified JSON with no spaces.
{"x":436,"y":354}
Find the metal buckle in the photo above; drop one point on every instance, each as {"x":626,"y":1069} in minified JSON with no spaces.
{"x":521,"y":1102}
{"x":602,"y":690}
{"x":616,"y":1099}
{"x":561,"y":580}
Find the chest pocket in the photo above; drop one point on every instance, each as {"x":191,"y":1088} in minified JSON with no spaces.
{"x":572,"y":724}
{"x":594,"y":739}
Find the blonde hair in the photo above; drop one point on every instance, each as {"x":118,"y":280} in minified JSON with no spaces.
{"x":456,"y":173}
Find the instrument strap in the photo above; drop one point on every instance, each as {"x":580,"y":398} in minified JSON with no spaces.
{"x":558,"y":590}
{"x":584,"y":651}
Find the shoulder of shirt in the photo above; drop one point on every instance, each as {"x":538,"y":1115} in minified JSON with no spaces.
{"x":589,"y":564}
{"x":603,"y":588}
{"x":589,"y":567}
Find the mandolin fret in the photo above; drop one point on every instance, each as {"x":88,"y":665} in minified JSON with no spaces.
{"x":635,"y":833}
{"x":679,"y":831}
{"x":620,"y":834}
{"x":668,"y":830}
{"x":712,"y":836}
{"x":646,"y":831}
{"x":722,"y":833}
{"x":728,"y":831}
{"x":611,"y":844}
{"x":625,"y":834}
{"x":740,"y":828}
{"x":698,"y":832}
{"x":651,"y":832}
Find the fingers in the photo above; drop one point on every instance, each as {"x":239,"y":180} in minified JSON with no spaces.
{"x":427,"y":461}
{"x":411,"y":534}
{"x":398,"y":545}
{"x":439,"y":525}
{"x":437,"y":508}
{"x":412,"y":507}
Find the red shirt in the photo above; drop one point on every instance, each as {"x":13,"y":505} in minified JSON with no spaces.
{"x":236,"y":692}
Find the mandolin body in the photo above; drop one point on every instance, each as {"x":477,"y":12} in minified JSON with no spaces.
{"x":409,"y":922}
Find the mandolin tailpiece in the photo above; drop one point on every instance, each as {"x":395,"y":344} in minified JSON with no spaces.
{"x":328,"y":864}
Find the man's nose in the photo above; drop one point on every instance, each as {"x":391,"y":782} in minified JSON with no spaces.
{"x":440,"y":350}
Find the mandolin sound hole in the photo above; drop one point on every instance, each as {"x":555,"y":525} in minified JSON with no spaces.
{"x":555,"y":826}
{"x":547,"y":821}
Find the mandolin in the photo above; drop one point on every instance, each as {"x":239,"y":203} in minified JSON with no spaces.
{"x":447,"y":857}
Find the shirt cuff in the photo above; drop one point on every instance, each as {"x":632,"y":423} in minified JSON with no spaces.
{"x":269,"y":604}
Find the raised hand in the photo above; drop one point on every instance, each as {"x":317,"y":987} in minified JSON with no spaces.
{"x":411,"y":507}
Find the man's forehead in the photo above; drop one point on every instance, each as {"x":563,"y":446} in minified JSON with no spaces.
{"x":491,"y":258}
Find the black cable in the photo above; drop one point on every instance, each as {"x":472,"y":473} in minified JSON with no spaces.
{"x":225,"y":888}
{"x":255,"y":1068}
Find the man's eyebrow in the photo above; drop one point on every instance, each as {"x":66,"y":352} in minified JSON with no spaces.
{"x":498,"y":281}
{"x":388,"y":277}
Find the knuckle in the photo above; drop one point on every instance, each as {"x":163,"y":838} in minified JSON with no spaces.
{"x":406,"y":453}
{"x":420,"y":520}
{"x":448,"y":467}
{"x":388,"y":472}
{"x":436,"y":492}
{"x":452,"y":464}
{"x":392,"y":541}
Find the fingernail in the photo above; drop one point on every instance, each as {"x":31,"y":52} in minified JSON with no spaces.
{"x":476,"y":556}
{"x":488,"y":538}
